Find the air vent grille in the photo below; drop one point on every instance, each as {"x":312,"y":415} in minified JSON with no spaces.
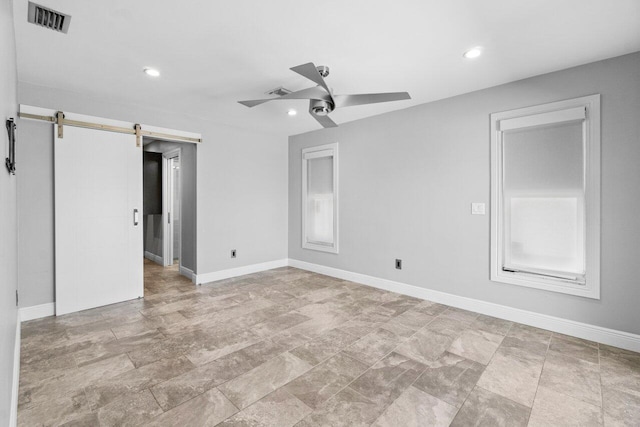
{"x":280,"y":91}
{"x":48,"y":18}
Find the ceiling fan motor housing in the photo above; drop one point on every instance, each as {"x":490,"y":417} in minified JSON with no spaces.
{"x":320,"y":107}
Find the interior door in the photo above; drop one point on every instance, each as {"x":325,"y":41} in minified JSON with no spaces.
{"x":98,"y":219}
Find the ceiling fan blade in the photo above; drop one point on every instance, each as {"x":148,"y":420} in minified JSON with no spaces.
{"x":309,"y":93}
{"x":310,"y":71}
{"x":253,"y":102}
{"x":325,"y":121}
{"x":369,"y":98}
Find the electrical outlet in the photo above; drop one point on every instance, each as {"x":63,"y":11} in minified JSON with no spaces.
{"x":233,"y":253}
{"x":398,"y":264}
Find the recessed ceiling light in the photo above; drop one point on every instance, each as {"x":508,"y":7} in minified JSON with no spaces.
{"x":473,"y":53}
{"x":292,"y":112}
{"x":152,"y":72}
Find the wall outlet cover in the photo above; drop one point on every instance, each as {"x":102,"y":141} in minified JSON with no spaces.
{"x":477,"y":208}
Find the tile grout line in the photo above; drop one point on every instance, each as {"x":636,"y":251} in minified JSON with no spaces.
{"x":404,"y":391}
{"x":601,"y":388}
{"x":156,"y":399}
{"x":371,"y":366}
{"x":540,"y":377}
{"x":296,"y":398}
{"x":483,"y":370}
{"x":392,"y":351}
{"x":288,"y":351}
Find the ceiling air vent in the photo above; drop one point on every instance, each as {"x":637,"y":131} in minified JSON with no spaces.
{"x":280,"y":91}
{"x":48,"y":18}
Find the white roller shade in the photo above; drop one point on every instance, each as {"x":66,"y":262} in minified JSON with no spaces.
{"x":543,"y":193}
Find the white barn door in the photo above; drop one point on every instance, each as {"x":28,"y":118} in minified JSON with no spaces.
{"x":98,"y":219}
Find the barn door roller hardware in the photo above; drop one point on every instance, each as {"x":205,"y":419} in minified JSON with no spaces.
{"x":60,"y":120}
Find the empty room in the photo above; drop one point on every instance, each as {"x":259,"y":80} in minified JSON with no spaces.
{"x":340,"y":213}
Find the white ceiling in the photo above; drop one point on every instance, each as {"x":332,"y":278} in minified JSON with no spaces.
{"x":214,"y":53}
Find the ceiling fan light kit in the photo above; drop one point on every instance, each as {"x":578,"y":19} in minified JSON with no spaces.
{"x":322,"y":101}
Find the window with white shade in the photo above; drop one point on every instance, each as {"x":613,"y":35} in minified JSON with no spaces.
{"x":320,"y":198}
{"x":545,"y":192}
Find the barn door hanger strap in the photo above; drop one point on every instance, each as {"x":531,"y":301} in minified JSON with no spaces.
{"x":60,"y":122}
{"x":138,"y":134}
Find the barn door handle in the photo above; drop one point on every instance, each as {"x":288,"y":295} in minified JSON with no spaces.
{"x":135,"y":217}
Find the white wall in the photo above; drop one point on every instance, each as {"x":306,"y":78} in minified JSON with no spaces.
{"x":241,"y":183}
{"x":407,"y":180}
{"x":8,"y":239}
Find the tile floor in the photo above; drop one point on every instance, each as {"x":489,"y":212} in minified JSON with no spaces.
{"x":288,"y":347}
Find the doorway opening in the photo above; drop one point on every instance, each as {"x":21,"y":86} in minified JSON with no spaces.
{"x":169,"y":216}
{"x":172,"y":242}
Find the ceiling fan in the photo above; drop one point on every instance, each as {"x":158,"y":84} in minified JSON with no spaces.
{"x":322,"y":101}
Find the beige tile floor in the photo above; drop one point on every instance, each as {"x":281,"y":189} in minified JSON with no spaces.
{"x":288,"y":347}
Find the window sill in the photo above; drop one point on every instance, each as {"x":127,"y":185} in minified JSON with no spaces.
{"x":321,"y":248}
{"x":549,"y":284}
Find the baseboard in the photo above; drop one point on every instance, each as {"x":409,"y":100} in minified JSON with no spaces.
{"x":188,"y":273}
{"x":37,"y":311}
{"x":240,"y":271}
{"x":153,"y":257}
{"x":586,"y":331}
{"x":13,"y":417}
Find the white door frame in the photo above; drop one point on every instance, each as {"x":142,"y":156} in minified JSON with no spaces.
{"x":167,"y":206}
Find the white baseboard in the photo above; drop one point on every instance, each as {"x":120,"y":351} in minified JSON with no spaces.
{"x":153,"y":257}
{"x":13,"y":417}
{"x":188,"y":273}
{"x":586,"y":331}
{"x":37,"y":311}
{"x":240,"y":271}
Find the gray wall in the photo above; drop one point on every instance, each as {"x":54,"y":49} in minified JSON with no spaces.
{"x":407,"y":180}
{"x":8,"y":236}
{"x":189,"y":205}
{"x":152,"y":183}
{"x":240,"y":201}
{"x":35,"y":213}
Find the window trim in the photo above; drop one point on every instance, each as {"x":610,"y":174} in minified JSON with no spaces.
{"x":555,"y":112}
{"x":326,"y":150}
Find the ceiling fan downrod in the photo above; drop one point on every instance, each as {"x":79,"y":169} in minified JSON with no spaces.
{"x":323,"y":70}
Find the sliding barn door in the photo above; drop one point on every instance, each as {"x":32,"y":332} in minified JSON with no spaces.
{"x":98,"y":219}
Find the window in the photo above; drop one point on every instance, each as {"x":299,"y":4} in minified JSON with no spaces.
{"x":545,"y":197}
{"x":320,"y":198}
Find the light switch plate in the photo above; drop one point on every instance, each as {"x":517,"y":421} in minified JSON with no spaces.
{"x":477,"y":209}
